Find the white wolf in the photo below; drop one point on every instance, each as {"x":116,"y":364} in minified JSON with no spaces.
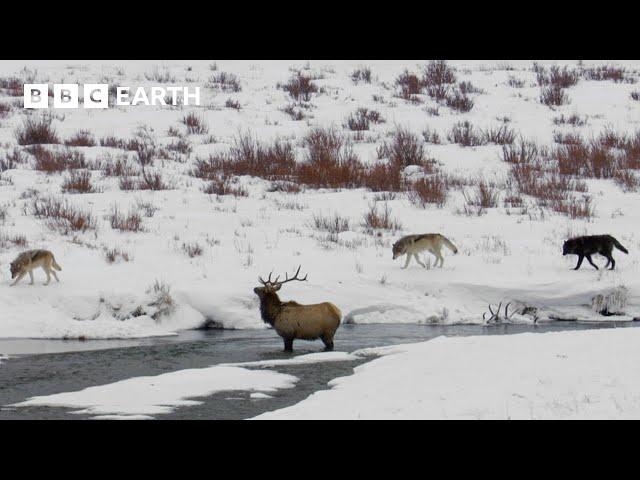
{"x":411,"y":245}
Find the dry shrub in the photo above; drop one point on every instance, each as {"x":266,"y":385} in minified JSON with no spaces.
{"x":500,"y":135}
{"x":605,"y":72}
{"x":300,"y":87}
{"x":574,"y":120}
{"x":195,"y":124}
{"x":409,"y":84}
{"x":464,"y":133}
{"x":180,"y":145}
{"x":131,"y":222}
{"x":62,"y":216}
{"x":575,"y":209}
{"x":380,"y":220}
{"x":5,"y":109}
{"x":223,"y":186}
{"x":459,"y":101}
{"x":112,"y":255}
{"x":333,"y":224}
{"x":192,"y":249}
{"x":82,"y":138}
{"x":362,"y":118}
{"x":160,"y":75}
{"x":382,"y":177}
{"x":635,"y":95}
{"x":515,"y":82}
{"x":296,"y":113}
{"x":431,"y":189}
{"x":36,"y":130}
{"x":12,"y":160}
{"x":329,"y":161}
{"x":553,"y":95}
{"x":484,"y":195}
{"x":524,"y":152}
{"x":570,"y":138}
{"x":431,"y":136}
{"x":626,"y":180}
{"x":557,"y":77}
{"x":233,"y":104}
{"x":56,"y":161}
{"x":361,"y":74}
{"x":437,"y":72}
{"x":78,"y":182}
{"x":7,"y":241}
{"x":248,"y":156}
{"x":405,"y":148}
{"x":118,"y":168}
{"x":227,"y":82}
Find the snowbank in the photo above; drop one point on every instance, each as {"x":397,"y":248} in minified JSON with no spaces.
{"x":144,"y":397}
{"x":591,"y":374}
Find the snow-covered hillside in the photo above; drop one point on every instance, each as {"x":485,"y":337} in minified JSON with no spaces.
{"x":154,"y":261}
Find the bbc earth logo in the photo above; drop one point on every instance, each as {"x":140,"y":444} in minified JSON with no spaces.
{"x":96,"y":95}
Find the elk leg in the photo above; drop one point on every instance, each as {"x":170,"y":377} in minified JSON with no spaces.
{"x":591,"y":262}
{"x":580,"y":258}
{"x":288,"y":344}
{"x":328,"y":343}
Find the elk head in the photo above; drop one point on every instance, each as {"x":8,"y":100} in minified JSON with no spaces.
{"x":272,"y":286}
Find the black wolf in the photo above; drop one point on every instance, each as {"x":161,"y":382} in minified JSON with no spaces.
{"x":587,"y":246}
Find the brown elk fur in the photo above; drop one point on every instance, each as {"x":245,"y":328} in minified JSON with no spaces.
{"x":292,"y":320}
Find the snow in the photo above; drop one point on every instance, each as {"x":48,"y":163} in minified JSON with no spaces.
{"x":155,"y":395}
{"x":590,"y":374}
{"x":299,"y":360}
{"x":502,"y":257}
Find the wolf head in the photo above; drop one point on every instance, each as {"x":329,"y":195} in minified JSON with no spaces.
{"x":568,"y":247}
{"x":398,"y":249}
{"x":15,"y":269}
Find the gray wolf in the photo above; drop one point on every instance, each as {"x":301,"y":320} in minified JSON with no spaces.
{"x":27,"y":261}
{"x":588,"y":245}
{"x":411,"y":245}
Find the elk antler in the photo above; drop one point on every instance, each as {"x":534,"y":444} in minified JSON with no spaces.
{"x":276,"y":283}
{"x":295,"y":277}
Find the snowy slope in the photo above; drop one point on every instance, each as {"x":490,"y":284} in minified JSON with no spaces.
{"x":503,"y":256}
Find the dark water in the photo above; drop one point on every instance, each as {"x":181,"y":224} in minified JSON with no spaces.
{"x":37,"y":374}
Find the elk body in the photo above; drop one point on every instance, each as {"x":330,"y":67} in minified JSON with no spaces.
{"x":295,"y":321}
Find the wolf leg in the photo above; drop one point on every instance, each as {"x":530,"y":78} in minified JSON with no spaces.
{"x":591,"y":262}
{"x":580,"y":258}
{"x":441,"y":260}
{"x":611,"y":261}
{"x":46,"y":270}
{"x":31,"y":276}
{"x":55,"y":275}
{"x":406,"y":264}
{"x":415,"y":255}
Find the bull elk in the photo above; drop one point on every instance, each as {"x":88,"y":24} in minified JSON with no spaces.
{"x":295,"y":321}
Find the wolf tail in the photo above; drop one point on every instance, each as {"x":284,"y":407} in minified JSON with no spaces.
{"x":619,"y":246}
{"x":450,"y":245}
{"x":55,"y":264}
